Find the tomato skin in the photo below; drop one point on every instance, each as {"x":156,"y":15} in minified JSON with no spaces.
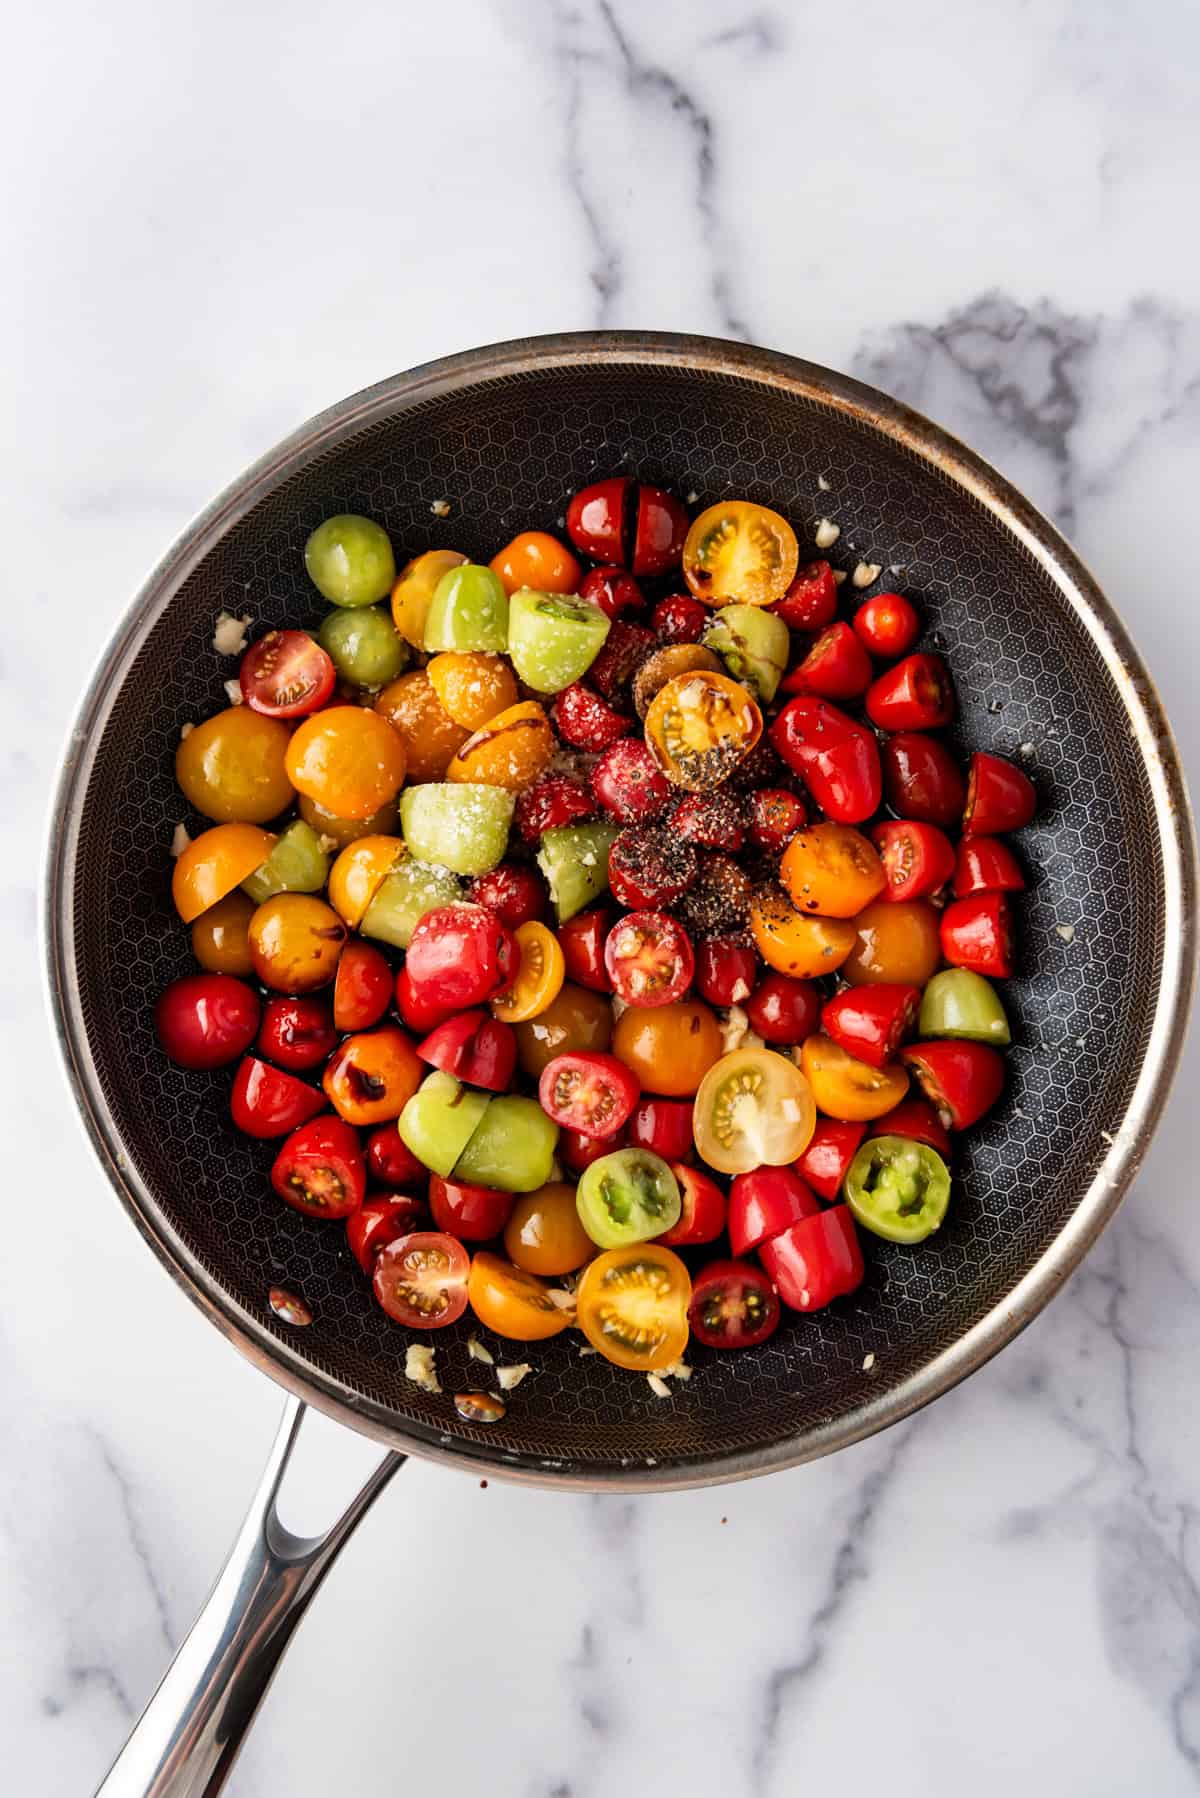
{"x":414,"y":1007}
{"x":421,"y":1279}
{"x":833,"y":1147}
{"x":297,"y":1033}
{"x":372,"y":1075}
{"x":362,"y":987}
{"x":714,"y":820}
{"x":796,"y":943}
{"x":671,"y":1048}
{"x":535,"y":559}
{"x":517,"y":895}
{"x":783,"y":1010}
{"x":320,"y":1170}
{"x":513,"y":1303}
{"x":206,"y":1020}
{"x":831,"y":870}
{"x":649,"y":959}
{"x":475,"y":1048}
{"x":733,"y":1306}
{"x":347,"y":759}
{"x":922,"y":779}
{"x":648,"y":868}
{"x":961,"y":1079}
{"x":702,"y":1218}
{"x":846,"y":1087}
{"x":628,"y":784}
{"x":460,"y":955}
{"x":837,"y":759}
{"x":614,"y":590}
{"x":914,"y":1117}
{"x":914,"y":695}
{"x":662,"y":1125}
{"x":871,"y":1022}
{"x":582,"y":939}
{"x":895,"y":944}
{"x":918,"y":859}
{"x":660,"y":531}
{"x":588,"y":1091}
{"x":764,"y":1203}
{"x":639,"y":1291}
{"x":816,"y":1260}
{"x":725,"y":971}
{"x":267,"y":1102}
{"x":296,"y":941}
{"x":986,"y":865}
{"x":888,"y":625}
{"x":596,"y":519}
{"x":680,"y":619}
{"x":552,"y":801}
{"x":391,"y":1161}
{"x":837,"y":666}
{"x":775,"y":817}
{"x":1000,"y":797}
{"x":810,"y":603}
{"x":472,"y":1213}
{"x":588,"y":722}
{"x":977,"y":933}
{"x":379,"y":1221}
{"x":579,"y":1151}
{"x":286,"y":675}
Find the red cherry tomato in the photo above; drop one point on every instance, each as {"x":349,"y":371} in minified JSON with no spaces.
{"x":550,"y":802}
{"x":816,"y":1260}
{"x":267,"y":1102}
{"x":618,"y":660}
{"x":586,"y":721}
{"x":649,"y":959}
{"x":391,"y":1161}
{"x":680,"y":619}
{"x":783,"y":1010}
{"x":833,"y":1147}
{"x":837,"y":666}
{"x":733,"y":1305}
{"x":582,"y":939}
{"x":517,"y":895}
{"x":421,"y":1279}
{"x":597,"y":519}
{"x":579,"y":1151}
{"x":887,"y":625}
{"x":810,"y":602}
{"x":702,"y":1217}
{"x":870,"y":1022}
{"x":298,"y":1033}
{"x":648,"y":867}
{"x":662,"y":1125}
{"x":986,"y":865}
{"x":362,"y":986}
{"x":922,"y":779}
{"x":775,"y":817}
{"x":286,"y":675}
{"x":588,"y":1091}
{"x":837,"y":759}
{"x":977,"y":933}
{"x":627,"y":782}
{"x":414,"y":1007}
{"x":725,"y":971}
{"x":917,"y":858}
{"x":915,"y":1118}
{"x":320,"y":1169}
{"x":1000,"y":797}
{"x":206,"y":1020}
{"x":714,"y":820}
{"x":460,"y":955}
{"x":473,"y":1046}
{"x":914,"y":695}
{"x":961,"y":1080}
{"x":765,"y":1202}
{"x":658,"y":537}
{"x":472,"y":1213}
{"x":612,"y":589}
{"x":379,"y":1221}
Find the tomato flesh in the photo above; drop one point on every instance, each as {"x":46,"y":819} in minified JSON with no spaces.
{"x":588,"y":1091}
{"x":918,"y":859}
{"x":320,"y":1169}
{"x":421,"y":1279}
{"x":632,"y":1306}
{"x":733,"y":1306}
{"x":649,"y":959}
{"x":286,"y":675}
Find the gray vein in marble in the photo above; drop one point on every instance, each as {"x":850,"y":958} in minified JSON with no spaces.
{"x":760,"y":34}
{"x":137,"y":1539}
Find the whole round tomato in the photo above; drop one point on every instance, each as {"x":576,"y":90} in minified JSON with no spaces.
{"x":296,"y":1033}
{"x":221,"y":936}
{"x":347,"y":759}
{"x":543,"y":1235}
{"x":783,"y":1010}
{"x":649,"y":959}
{"x":320,"y":1169}
{"x":459,"y":956}
{"x":472,"y":1213}
{"x":429,"y":734}
{"x":286,"y":675}
{"x":421,"y":1279}
{"x":537,"y":560}
{"x":206,"y":1020}
{"x":234,"y":767}
{"x":832,"y":870}
{"x":846,"y":1088}
{"x":669,"y":1048}
{"x":362,"y":988}
{"x":593,"y":1094}
{"x":372,"y":1076}
{"x":898,"y":942}
{"x":295,"y":941}
{"x":512,"y":1302}
{"x":887,"y":625}
{"x":517,"y":895}
{"x":472,"y":687}
{"x":576,"y":1019}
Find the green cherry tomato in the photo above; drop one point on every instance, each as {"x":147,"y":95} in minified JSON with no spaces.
{"x":469,"y":610}
{"x":512,"y":1148}
{"x":628,"y":1196}
{"x":753,"y":644}
{"x":461,"y":824}
{"x":350,"y":561}
{"x":898,"y":1188}
{"x":574,"y":859}
{"x":553,"y":638}
{"x":410,"y":888}
{"x":439,"y":1121}
{"x":364,"y":645}
{"x":297,"y":864}
{"x":959,"y":1003}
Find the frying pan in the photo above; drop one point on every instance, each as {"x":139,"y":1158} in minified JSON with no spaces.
{"x":1045,"y":671}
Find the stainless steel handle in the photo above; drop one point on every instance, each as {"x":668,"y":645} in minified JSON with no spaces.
{"x":187,"y":1738}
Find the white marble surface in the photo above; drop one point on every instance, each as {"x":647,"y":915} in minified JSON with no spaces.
{"x":222,"y":218}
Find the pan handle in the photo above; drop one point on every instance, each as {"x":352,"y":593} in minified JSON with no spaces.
{"x":187,"y":1738}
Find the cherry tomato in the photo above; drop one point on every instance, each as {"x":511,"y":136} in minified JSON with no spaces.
{"x":922,"y":779}
{"x":267,"y":1102}
{"x":286,"y":674}
{"x":754,"y":1108}
{"x":833,"y":1147}
{"x":666,"y":664}
{"x":359,"y":872}
{"x":577,"y":1019}
{"x":733,"y":1306}
{"x":896,"y":942}
{"x":472,"y":688}
{"x":832,"y":870}
{"x":916,"y":1118}
{"x":725,"y":971}
{"x":586,"y":721}
{"x":887,"y":625}
{"x":613,"y":590}
{"x":714,"y":820}
{"x":233,"y":767}
{"x":579,"y":1152}
{"x":391,"y":1161}
{"x":816,"y":1260}
{"x":618,"y":659}
{"x":582,"y":939}
{"x":535,"y":559}
{"x":738,"y":551}
{"x":589,"y":1092}
{"x":800,"y":946}
{"x":847,"y":1088}
{"x":296,"y":941}
{"x":341,"y":831}
{"x":472,"y":1213}
{"x":297,"y":1033}
{"x":372,"y":1076}
{"x":784,"y":1011}
{"x":421,"y":1279}
{"x":510,"y":751}
{"x":320,"y":1169}
{"x":680,"y":619}
{"x":984,"y":865}
{"x":999,"y":797}
{"x":702,"y":1217}
{"x":628,"y":784}
{"x":379,"y":1221}
{"x":543,"y":1235}
{"x":221,"y":935}
{"x":430,"y":737}
{"x":540,"y":974}
{"x":837,"y":759}
{"x":649,"y":959}
{"x":699,"y":726}
{"x":662,"y":1125}
{"x":550,"y":803}
{"x":871,"y":1022}
{"x":476,"y":1049}
{"x":775,"y":817}
{"x":512,"y":1302}
{"x":659,"y":532}
{"x":459,"y":956}
{"x":914,"y":695}
{"x":415,"y":1009}
{"x":206,"y":1020}
{"x":362,"y":988}
{"x":765,"y":1201}
{"x":961,"y":1079}
{"x":347,"y":759}
{"x":977,"y":933}
{"x":214,"y":863}
{"x":670,"y":1048}
{"x":917,"y":858}
{"x":516,"y":894}
{"x":597,"y":519}
{"x":837,"y":666}
{"x":649,"y":866}
{"x":632,"y":1305}
{"x":810,"y":602}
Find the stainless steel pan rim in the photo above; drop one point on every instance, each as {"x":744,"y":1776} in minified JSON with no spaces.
{"x":1151,"y":740}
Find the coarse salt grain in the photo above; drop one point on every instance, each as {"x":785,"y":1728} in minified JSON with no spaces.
{"x":827,"y":533}
{"x":229,"y":634}
{"x":508,"y":1377}
{"x":865,"y":573}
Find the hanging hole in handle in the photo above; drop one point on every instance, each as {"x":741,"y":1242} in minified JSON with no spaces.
{"x":327,"y":1468}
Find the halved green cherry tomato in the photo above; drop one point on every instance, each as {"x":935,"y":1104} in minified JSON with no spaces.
{"x":737,"y":550}
{"x":753,"y":644}
{"x":898,"y":1188}
{"x":574,"y":859}
{"x":590,"y":1093}
{"x":512,"y":1147}
{"x":628,"y":1196}
{"x":296,"y":864}
{"x":408,"y":890}
{"x":439,"y":1121}
{"x":349,"y":560}
{"x":632,"y":1305}
{"x":469,"y":610}
{"x":512,"y":1302}
{"x":364,"y":645}
{"x":958,"y":1002}
{"x":459,"y":825}
{"x":553,"y":638}
{"x":754,"y":1108}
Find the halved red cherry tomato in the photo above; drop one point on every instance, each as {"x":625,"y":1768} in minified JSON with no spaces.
{"x":986,"y":865}
{"x":206,"y":1020}
{"x":391,"y":1161}
{"x":1000,"y":797}
{"x":517,"y":895}
{"x":472,"y":1213}
{"x":702,"y":1217}
{"x":914,"y":695}
{"x":913,"y":1117}
{"x":380,"y":1221}
{"x":775,"y":817}
{"x":596,"y":520}
{"x":649,"y":867}
{"x":783,"y":1010}
{"x":765,"y":1202}
{"x":810,"y":602}
{"x":659,"y":533}
{"x":551,"y":802}
{"x":837,"y":759}
{"x":579,"y":1152}
{"x":372,"y":1076}
{"x":582,"y":939}
{"x":614,"y":590}
{"x":475,"y":1048}
{"x":733,"y":1305}
{"x":459,"y":956}
{"x":680,"y":619}
{"x":887,"y":625}
{"x":922,"y":779}
{"x":421,"y":1279}
{"x":267,"y":1102}
{"x":961,"y":1079}
{"x":649,"y":959}
{"x":320,"y":1169}
{"x":362,"y":987}
{"x":833,"y":1147}
{"x":714,"y":820}
{"x":871,"y":1022}
{"x":837,"y":666}
{"x":725,"y":971}
{"x":977,"y":933}
{"x":917,"y":858}
{"x":816,"y":1260}
{"x":663,"y":1125}
{"x":588,"y":1091}
{"x":298,"y":1033}
{"x":286,"y":675}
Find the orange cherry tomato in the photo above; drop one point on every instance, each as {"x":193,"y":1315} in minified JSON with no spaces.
{"x":512,"y":1302}
{"x":359,"y":872}
{"x":472,"y":687}
{"x":509,"y":752}
{"x":221,"y":936}
{"x":575,"y":1019}
{"x":233,"y":767}
{"x":340,"y":831}
{"x":537,"y":560}
{"x":803,"y":947}
{"x":544,"y":1235}
{"x":539,"y":977}
{"x":699,"y":726}
{"x":632,"y":1305}
{"x":214,"y":863}
{"x":739,"y":552}
{"x":831,"y":869}
{"x":295,"y":942}
{"x":670,"y":1047}
{"x":897,"y":942}
{"x":430,"y":736}
{"x":413,"y":591}
{"x":846,"y":1089}
{"x":372,"y":1075}
{"x":349,"y":760}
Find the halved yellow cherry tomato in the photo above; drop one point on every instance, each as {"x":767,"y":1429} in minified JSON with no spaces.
{"x":787,"y":940}
{"x":234,"y":767}
{"x":538,"y":560}
{"x":511,"y":1302}
{"x":896,"y":941}
{"x":472,"y":688}
{"x":349,"y":760}
{"x":295,"y":942}
{"x":754,"y":1109}
{"x":430,"y":736}
{"x":632,"y":1305}
{"x":509,"y":752}
{"x":359,"y":872}
{"x":543,"y":1234}
{"x":831,"y":869}
{"x":413,"y":591}
{"x":737,"y":551}
{"x":699,"y":726}
{"x":539,"y":977}
{"x":214,"y":863}
{"x":220,"y":936}
{"x":848,"y":1089}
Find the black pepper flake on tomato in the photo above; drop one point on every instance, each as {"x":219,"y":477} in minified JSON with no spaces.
{"x":718,"y":901}
{"x":761,"y":767}
{"x":650,"y":865}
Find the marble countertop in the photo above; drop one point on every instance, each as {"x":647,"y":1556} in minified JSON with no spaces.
{"x":224,"y":219}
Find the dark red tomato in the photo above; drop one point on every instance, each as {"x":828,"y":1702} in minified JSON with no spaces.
{"x":837,"y":666}
{"x":649,"y":867}
{"x":414,"y":1007}
{"x":662,"y":525}
{"x":627,"y":782}
{"x":831,"y":1150}
{"x":298,"y":1033}
{"x":783,"y":1010}
{"x":206,"y":1020}
{"x":460,"y":955}
{"x":380,"y":1221}
{"x":649,"y":959}
{"x":922,"y":779}
{"x":714,"y":820}
{"x":977,"y":933}
{"x":1000,"y":797}
{"x":618,"y":660}
{"x":810,"y":603}
{"x":478,"y":1049}
{"x":887,"y":625}
{"x":837,"y":759}
{"x":586,"y":721}
{"x":472,"y":1213}
{"x":725,"y":971}
{"x":421,"y":1279}
{"x":286,"y":675}
{"x":815,"y":1261}
{"x":362,"y":987}
{"x":702,"y":1217}
{"x":597,"y":518}
{"x":871,"y":1022}
{"x":267,"y":1102}
{"x":915,"y":1118}
{"x":733,"y":1305}
{"x":764,"y":1202}
{"x":580,"y":1151}
{"x":550,"y":802}
{"x":775,"y":817}
{"x":589,"y":1092}
{"x":680,"y":619}
{"x":320,"y":1169}
{"x":517,"y":895}
{"x":582,"y":939}
{"x":918,"y":859}
{"x":986,"y":865}
{"x":614,"y":590}
{"x":391,"y":1161}
{"x":914,"y":695}
{"x":663,"y":1126}
{"x":961,"y":1080}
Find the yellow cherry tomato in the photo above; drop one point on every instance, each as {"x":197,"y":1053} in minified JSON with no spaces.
{"x":430,"y":736}
{"x":632,"y":1305}
{"x":543,"y":1234}
{"x":221,"y":936}
{"x":511,"y":1302}
{"x":669,"y":1047}
{"x":895,"y":941}
{"x":472,"y":688}
{"x":737,"y":552}
{"x":575,"y":1019}
{"x":847,"y":1089}
{"x":359,"y":872}
{"x":754,"y":1109}
{"x":295,"y":942}
{"x":540,"y":976}
{"x":509,"y":752}
{"x":831,"y":869}
{"x":790,"y":942}
{"x":214,"y":863}
{"x":537,"y":560}
{"x":349,"y":760}
{"x":340,"y":831}
{"x":698,"y":728}
{"x":234,"y":767}
{"x":413,"y":591}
